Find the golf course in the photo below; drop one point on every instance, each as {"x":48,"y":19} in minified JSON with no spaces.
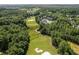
{"x":37,"y":40}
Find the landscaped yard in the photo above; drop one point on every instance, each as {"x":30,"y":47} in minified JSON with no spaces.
{"x":37,"y":40}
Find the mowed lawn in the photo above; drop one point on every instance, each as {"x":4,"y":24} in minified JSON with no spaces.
{"x":75,"y":47}
{"x":38,"y":40}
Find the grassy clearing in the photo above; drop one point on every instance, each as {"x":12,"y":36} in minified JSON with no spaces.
{"x":38,"y":40}
{"x":75,"y":47}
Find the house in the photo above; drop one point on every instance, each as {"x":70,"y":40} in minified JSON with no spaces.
{"x":46,"y":20}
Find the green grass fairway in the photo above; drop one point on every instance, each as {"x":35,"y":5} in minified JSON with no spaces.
{"x":75,"y":47}
{"x":38,"y":40}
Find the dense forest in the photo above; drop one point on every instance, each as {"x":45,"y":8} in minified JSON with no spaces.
{"x":14,"y":38}
{"x":61,"y":24}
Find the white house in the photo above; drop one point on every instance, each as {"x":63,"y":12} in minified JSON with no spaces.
{"x":46,"y":21}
